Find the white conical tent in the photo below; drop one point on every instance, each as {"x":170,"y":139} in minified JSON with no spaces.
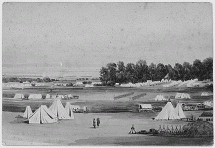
{"x":167,"y":113}
{"x":18,"y":96}
{"x":179,"y":111}
{"x":28,"y":112}
{"x":69,"y":109}
{"x":58,"y":110}
{"x":42,"y":115}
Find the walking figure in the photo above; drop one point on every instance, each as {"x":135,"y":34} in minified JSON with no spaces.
{"x":94,"y":123}
{"x":98,"y":121}
{"x":132,"y":130}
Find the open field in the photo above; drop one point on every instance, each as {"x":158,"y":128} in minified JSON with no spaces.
{"x":116,"y":116}
{"x":113,"y":130}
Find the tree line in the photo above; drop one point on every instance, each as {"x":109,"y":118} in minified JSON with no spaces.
{"x":21,"y":80}
{"x":141,"y":72}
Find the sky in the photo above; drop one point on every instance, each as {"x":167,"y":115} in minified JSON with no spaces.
{"x":77,"y":39}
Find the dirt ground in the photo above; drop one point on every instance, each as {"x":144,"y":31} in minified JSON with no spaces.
{"x":113,"y":130}
{"x":114,"y":127}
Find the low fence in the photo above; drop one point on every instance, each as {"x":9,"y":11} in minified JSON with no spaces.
{"x":138,"y":96}
{"x":179,"y":130}
{"x":124,"y":95}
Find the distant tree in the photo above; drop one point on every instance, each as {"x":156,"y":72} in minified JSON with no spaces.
{"x":112,"y":71}
{"x":46,"y":79}
{"x":187,"y":67}
{"x":110,"y":83}
{"x":39,"y":80}
{"x":197,"y":69}
{"x":207,"y":69}
{"x":120,"y":77}
{"x":152,"y":71}
{"x":5,"y":80}
{"x":170,"y":71}
{"x":120,"y":72}
{"x":178,"y":68}
{"x":161,"y":71}
{"x":130,"y":72}
{"x":141,"y":71}
{"x":104,"y":75}
{"x":121,"y":66}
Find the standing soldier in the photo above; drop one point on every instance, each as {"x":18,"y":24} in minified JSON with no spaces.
{"x":98,"y":121}
{"x":94,"y":123}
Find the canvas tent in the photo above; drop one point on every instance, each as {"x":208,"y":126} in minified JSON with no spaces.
{"x":28,"y":112}
{"x":160,"y":98}
{"x":70,"y":96}
{"x":167,"y":113}
{"x":185,"y":96}
{"x":182,"y":96}
{"x":35,"y":96}
{"x":179,"y":111}
{"x":208,"y":103}
{"x":42,"y":115}
{"x":178,"y":95}
{"x":69,"y":110}
{"x":58,"y":110}
{"x":204,"y":94}
{"x":48,"y":96}
{"x":18,"y":96}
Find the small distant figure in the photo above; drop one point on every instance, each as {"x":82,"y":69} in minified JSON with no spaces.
{"x":98,"y":121}
{"x":132,"y":130}
{"x":94,"y":123}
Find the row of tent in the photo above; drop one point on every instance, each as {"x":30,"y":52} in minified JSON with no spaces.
{"x":205,"y":94}
{"x":21,"y":85}
{"x":52,"y":114}
{"x":188,"y":83}
{"x":31,"y":96}
{"x":160,"y":98}
{"x":39,"y":96}
{"x":169,"y":112}
{"x":177,"y":96}
{"x":149,"y":82}
{"x":173,"y":83}
{"x":182,"y":96}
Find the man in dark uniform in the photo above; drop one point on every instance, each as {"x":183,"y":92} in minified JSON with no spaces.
{"x":94,"y":123}
{"x":98,"y":121}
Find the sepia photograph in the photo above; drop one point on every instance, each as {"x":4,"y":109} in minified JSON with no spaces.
{"x":107,"y":74}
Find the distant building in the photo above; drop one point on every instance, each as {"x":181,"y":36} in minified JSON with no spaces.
{"x":145,"y":107}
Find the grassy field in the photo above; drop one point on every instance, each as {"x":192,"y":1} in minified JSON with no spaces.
{"x":97,"y":99}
